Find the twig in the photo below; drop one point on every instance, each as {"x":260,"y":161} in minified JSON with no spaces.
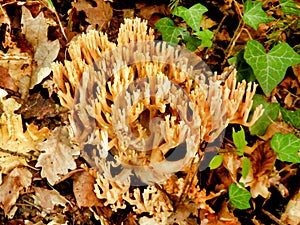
{"x":216,"y":31}
{"x":272,"y":217}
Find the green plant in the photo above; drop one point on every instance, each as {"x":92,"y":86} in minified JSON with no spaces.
{"x":192,"y":16}
{"x":238,"y":196}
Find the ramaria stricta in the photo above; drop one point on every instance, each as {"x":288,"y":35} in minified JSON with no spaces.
{"x":140,"y":110}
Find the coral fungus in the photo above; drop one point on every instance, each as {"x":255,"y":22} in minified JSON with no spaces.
{"x":140,"y":109}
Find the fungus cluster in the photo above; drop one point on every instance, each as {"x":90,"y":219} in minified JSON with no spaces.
{"x":140,"y":110}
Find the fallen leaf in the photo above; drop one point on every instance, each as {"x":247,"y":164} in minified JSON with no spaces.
{"x":83,"y":188}
{"x":6,"y":80}
{"x":18,"y":67}
{"x":16,"y":145}
{"x":5,"y":29}
{"x":35,"y":106}
{"x":262,"y":163}
{"x":146,"y":11}
{"x":44,"y":51}
{"x":98,"y":16}
{"x":207,"y":22}
{"x":48,"y":199}
{"x":16,"y":181}
{"x":57,"y":158}
{"x":296,"y":70}
{"x":291,"y":214}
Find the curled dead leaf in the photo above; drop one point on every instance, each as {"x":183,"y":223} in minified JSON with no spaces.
{"x":44,"y":51}
{"x":13,"y":183}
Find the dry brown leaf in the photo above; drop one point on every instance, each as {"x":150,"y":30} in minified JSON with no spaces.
{"x":27,"y":222}
{"x":5,"y":28}
{"x":83,"y":188}
{"x":232,"y":163}
{"x":276,"y":127}
{"x":18,"y":65}
{"x":263,"y":159}
{"x":17,"y":180}
{"x":291,"y":214}
{"x":262,"y":164}
{"x":6,"y":80}
{"x":207,"y":22}
{"x":146,"y":11}
{"x":44,"y":51}
{"x":296,"y":70}
{"x":36,"y":106}
{"x":47,"y":199}
{"x":57,"y":158}
{"x":98,"y":16}
{"x":15,"y":144}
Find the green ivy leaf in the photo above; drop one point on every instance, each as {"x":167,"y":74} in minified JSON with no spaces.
{"x":192,"y":42}
{"x":271,"y":111}
{"x":270,"y":68}
{"x":239,"y":197}
{"x":254,"y":14}
{"x":244,"y":70}
{"x":191,"y":16}
{"x":216,"y":162}
{"x":205,"y":36}
{"x":239,"y":140}
{"x":291,"y":117}
{"x":289,"y":7}
{"x":169,"y":31}
{"x":287,"y":147}
{"x":246,"y":167}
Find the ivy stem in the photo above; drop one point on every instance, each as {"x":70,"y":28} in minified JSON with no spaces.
{"x":236,"y":34}
{"x":235,"y":37}
{"x":217,"y":31}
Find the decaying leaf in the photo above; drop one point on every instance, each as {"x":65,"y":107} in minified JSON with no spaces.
{"x":16,"y":145}
{"x":98,"y":16}
{"x":146,"y":11}
{"x":36,"y":106}
{"x":44,"y":51}
{"x":57,"y":158}
{"x":17,"y":65}
{"x":13,"y":183}
{"x":48,"y":199}
{"x":262,"y":164}
{"x":83,"y":188}
{"x":291,"y":214}
{"x":6,"y":80}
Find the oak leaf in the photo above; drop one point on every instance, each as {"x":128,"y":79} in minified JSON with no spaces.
{"x":16,"y":180}
{"x":57,"y":158}
{"x":99,"y":15}
{"x":44,"y":51}
{"x":47,"y":199}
